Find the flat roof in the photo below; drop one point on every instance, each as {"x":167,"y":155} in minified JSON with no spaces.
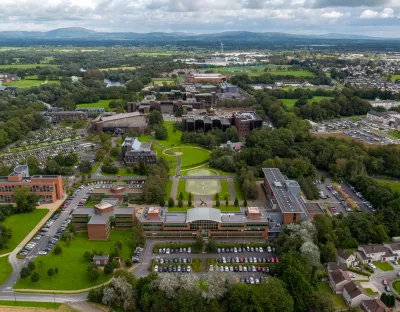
{"x":124,"y":210}
{"x":120,"y":116}
{"x":99,"y":219}
{"x":286,"y":200}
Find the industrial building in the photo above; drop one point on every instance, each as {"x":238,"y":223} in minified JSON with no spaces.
{"x":97,"y":220}
{"x":48,"y":187}
{"x":284,"y":196}
{"x":251,"y":222}
{"x":120,"y":123}
{"x":135,"y":152}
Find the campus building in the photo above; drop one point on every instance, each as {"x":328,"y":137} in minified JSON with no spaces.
{"x":215,"y":78}
{"x":135,"y":152}
{"x":251,"y":222}
{"x":284,"y":195}
{"x":97,"y":219}
{"x":245,"y":122}
{"x":119,"y":191}
{"x":120,"y":123}
{"x":72,"y":116}
{"x":48,"y":187}
{"x":92,"y":112}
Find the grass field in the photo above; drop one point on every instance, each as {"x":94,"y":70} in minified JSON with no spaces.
{"x":395,"y":77}
{"x":338,"y":300}
{"x":5,"y":269}
{"x":384,"y":266}
{"x":28,"y":83}
{"x":395,"y":134}
{"x":174,"y":135}
{"x":26,"y":66}
{"x":224,"y":191}
{"x":319,"y":98}
{"x":72,"y":267}
{"x":201,"y":172}
{"x":21,"y":224}
{"x":395,"y":186}
{"x":31,"y":304}
{"x":370,"y":291}
{"x":238,"y":191}
{"x":160,"y":81}
{"x":182,"y":188}
{"x":191,"y":155}
{"x":289,"y":103}
{"x":168,"y":190}
{"x":396,"y":286}
{"x":300,"y":73}
{"x":99,"y":104}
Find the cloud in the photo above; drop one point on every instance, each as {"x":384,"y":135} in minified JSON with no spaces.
{"x":332,"y":15}
{"x":349,"y":3}
{"x":386,"y":13}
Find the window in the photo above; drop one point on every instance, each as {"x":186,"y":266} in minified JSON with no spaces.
{"x":204,"y":225}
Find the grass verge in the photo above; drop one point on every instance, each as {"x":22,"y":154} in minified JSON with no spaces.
{"x":30,"y":304}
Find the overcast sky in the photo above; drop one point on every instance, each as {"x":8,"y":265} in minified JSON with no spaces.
{"x":365,"y":17}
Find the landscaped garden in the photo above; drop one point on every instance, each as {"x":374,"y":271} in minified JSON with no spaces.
{"x":190,"y":155}
{"x":21,"y":224}
{"x":72,"y":267}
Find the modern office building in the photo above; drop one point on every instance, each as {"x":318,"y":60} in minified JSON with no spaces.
{"x":245,"y":122}
{"x":214,"y":77}
{"x":120,"y":123}
{"x":97,"y":220}
{"x":72,"y":116}
{"x":48,"y":187}
{"x":92,"y":112}
{"x":135,"y":152}
{"x":119,"y":191}
{"x":284,"y":196}
{"x":251,"y":222}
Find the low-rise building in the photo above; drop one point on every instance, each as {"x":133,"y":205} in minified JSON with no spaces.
{"x":373,"y":305}
{"x":343,"y":256}
{"x":120,"y":123}
{"x":337,"y":280}
{"x":245,"y":122}
{"x":135,"y":152}
{"x":49,"y":188}
{"x":374,"y":252}
{"x":71,"y":116}
{"x":213,"y":77}
{"x":119,"y":191}
{"x":4,"y":77}
{"x":92,"y":112}
{"x":354,"y":294}
{"x":101,"y":260}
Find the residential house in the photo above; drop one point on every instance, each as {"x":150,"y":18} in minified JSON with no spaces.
{"x":374,"y":252}
{"x":337,"y":280}
{"x":354,"y":294}
{"x":101,"y":260}
{"x":373,"y":305}
{"x":394,"y":248}
{"x":343,"y":256}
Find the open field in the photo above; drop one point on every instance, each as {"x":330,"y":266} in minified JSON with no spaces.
{"x":160,"y":81}
{"x":26,"y":66}
{"x":384,"y":266}
{"x":296,"y":73}
{"x":204,"y":187}
{"x":191,"y":155}
{"x":202,"y":172}
{"x":174,"y":135}
{"x":396,"y":286}
{"x":28,"y":83}
{"x":394,"y":185}
{"x":289,"y":103}
{"x":72,"y":267}
{"x":395,"y":77}
{"x":99,"y":104}
{"x":21,"y":224}
{"x":5,"y":269}
{"x":224,"y":191}
{"x":338,"y":300}
{"x":319,"y":98}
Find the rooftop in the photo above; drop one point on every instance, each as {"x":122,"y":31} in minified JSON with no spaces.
{"x":99,"y":219}
{"x":120,"y":116}
{"x":247,"y":115}
{"x":354,"y":289}
{"x":210,"y":214}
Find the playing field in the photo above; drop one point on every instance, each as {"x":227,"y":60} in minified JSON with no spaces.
{"x":394,"y":185}
{"x":99,"y":104}
{"x":296,"y":73}
{"x":190,"y":155}
{"x":28,"y":83}
{"x":21,"y":224}
{"x":72,"y":267}
{"x":203,"y":187}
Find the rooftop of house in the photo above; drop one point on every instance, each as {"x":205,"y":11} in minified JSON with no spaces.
{"x":344,"y":254}
{"x":338,"y":276}
{"x":374,"y":305}
{"x":354,"y":289}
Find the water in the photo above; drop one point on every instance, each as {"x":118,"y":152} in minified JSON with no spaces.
{"x":113,"y":83}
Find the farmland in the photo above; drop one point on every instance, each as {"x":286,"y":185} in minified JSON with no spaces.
{"x":28,"y":83}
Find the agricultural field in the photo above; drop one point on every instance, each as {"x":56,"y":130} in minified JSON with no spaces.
{"x":394,"y":185}
{"x":26,"y":66}
{"x":99,"y":104}
{"x":21,"y":224}
{"x":72,"y":267}
{"x":28,"y":83}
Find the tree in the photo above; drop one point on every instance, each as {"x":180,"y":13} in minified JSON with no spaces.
{"x":31,"y":266}
{"x":35,"y":277}
{"x":216,"y":196}
{"x":25,"y":200}
{"x":108,"y":268}
{"x":171,"y":202}
{"x":50,"y":272}
{"x":88,"y":256}
{"x":245,"y":202}
{"x":236,"y":203}
{"x":384,"y":298}
{"x":180,"y":196}
{"x":93,"y":274}
{"x":328,"y":252}
{"x":198,"y":243}
{"x":180,"y":203}
{"x":25,"y":272}
{"x":115,"y":151}
{"x":155,"y":117}
{"x":217,"y":203}
{"x":56,"y":270}
{"x":57,"y":250}
{"x":85,"y":166}
{"x":161,"y":132}
{"x":190,"y":202}
{"x":212,"y":245}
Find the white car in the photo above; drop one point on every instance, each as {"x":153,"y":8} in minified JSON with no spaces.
{"x":156,"y":268}
{"x":42,"y":253}
{"x":261,"y":249}
{"x":269,"y":249}
{"x":211,"y":268}
{"x":189,"y":268}
{"x":226,"y":269}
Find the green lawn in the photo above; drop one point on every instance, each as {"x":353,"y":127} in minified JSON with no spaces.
{"x":395,"y":77}
{"x":370,"y":291}
{"x":174,"y":136}
{"x":396,"y":286}
{"x":30,"y":304}
{"x":289,"y":103}
{"x":121,"y":172}
{"x":29,"y":83}
{"x":26,"y":66}
{"x":384,"y":266}
{"x":300,"y":73}
{"x":394,"y":185}
{"x":182,"y":188}
{"x":72,"y":267}
{"x":5,"y":269}
{"x":249,"y":70}
{"x":191,"y":155}
{"x":338,"y":300}
{"x":168,"y":189}
{"x":99,"y":104}
{"x":395,"y":134}
{"x":320,"y":98}
{"x":94,"y":168}
{"x":21,"y":224}
{"x":238,"y":191}
{"x":160,"y":81}
{"x":224,"y":191}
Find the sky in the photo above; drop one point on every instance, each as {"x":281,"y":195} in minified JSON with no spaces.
{"x":364,"y":17}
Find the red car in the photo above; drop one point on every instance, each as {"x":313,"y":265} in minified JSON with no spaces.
{"x":384,"y":282}
{"x":272,"y":259}
{"x":276,"y":259}
{"x":258,"y":269}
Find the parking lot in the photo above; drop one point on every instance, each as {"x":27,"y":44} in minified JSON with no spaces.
{"x":251,"y":264}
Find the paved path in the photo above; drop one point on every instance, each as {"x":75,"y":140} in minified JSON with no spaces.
{"x":84,"y":306}
{"x":207,"y":177}
{"x":174,"y":188}
{"x":231,"y":186}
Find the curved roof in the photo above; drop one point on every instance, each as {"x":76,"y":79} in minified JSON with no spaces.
{"x":210,"y":214}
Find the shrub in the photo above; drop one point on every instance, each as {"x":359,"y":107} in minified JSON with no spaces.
{"x":93,"y":274}
{"x":358,"y":271}
{"x":91,"y":266}
{"x":128,"y":263}
{"x":35,"y":277}
{"x":116,"y":264}
{"x":108,"y":268}
{"x":88,"y":256}
{"x":25,"y":272}
{"x":57,"y":250}
{"x":31,"y":266}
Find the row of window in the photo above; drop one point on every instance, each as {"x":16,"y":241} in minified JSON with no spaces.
{"x":176,"y":234}
{"x":175,"y":225}
{"x":237,"y":234}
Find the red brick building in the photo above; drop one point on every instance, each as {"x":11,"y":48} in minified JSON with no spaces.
{"x":213,"y":77}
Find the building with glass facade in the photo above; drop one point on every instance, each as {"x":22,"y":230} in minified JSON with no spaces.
{"x":250,"y":222}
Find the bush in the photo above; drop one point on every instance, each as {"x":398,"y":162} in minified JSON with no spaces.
{"x":25,"y":272}
{"x":358,"y":271}
{"x":93,"y":274}
{"x":88,"y":256}
{"x":91,"y":266}
{"x":116,"y":264}
{"x":57,"y":250}
{"x":128,"y":263}
{"x":108,"y":268}
{"x":35,"y":277}
{"x":31,"y":266}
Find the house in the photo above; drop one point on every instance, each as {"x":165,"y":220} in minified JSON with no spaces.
{"x":101,"y":260}
{"x":373,"y":305}
{"x":394,"y":248}
{"x":337,"y":280}
{"x":374,"y":252}
{"x":343,"y":256}
{"x":354,"y":294}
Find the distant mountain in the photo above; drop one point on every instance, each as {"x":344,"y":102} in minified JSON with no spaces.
{"x":78,"y":33}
